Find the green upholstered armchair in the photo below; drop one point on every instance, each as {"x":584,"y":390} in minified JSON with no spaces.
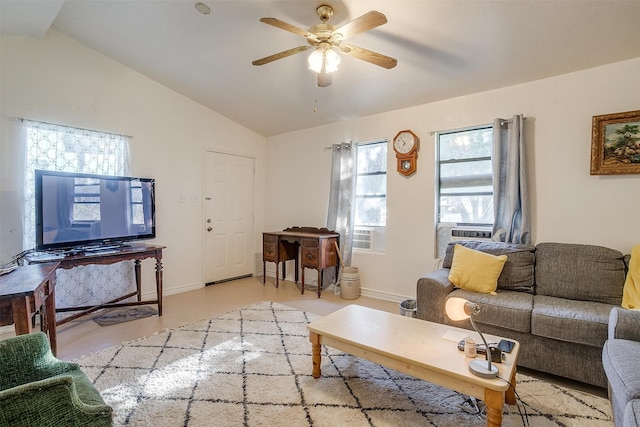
{"x":36,"y":389}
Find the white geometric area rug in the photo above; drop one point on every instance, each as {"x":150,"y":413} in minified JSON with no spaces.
{"x":252,"y":367}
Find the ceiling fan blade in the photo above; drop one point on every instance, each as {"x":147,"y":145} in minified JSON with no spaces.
{"x":324,"y":79}
{"x":280,"y":55}
{"x":359,"y":25}
{"x":369,"y":56}
{"x":289,"y":27}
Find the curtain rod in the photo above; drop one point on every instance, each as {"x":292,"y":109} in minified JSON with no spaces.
{"x":471,"y":127}
{"x":22,"y":119}
{"x":360,"y":143}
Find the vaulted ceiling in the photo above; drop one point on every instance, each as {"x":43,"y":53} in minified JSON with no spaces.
{"x":444,"y":49}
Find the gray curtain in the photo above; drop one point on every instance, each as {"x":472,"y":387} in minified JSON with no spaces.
{"x":341,"y":200}
{"x":512,"y":222}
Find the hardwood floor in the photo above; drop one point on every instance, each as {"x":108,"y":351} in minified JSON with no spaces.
{"x":83,"y":336}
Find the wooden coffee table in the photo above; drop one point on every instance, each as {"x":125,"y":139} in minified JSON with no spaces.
{"x":416,"y":347}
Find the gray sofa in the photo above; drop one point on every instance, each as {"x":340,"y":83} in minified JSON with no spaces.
{"x":554,"y":298}
{"x":621,"y":360}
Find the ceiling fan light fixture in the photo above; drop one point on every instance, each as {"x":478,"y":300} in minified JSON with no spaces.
{"x":323,"y":60}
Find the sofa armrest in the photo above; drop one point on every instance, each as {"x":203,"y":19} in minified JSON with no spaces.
{"x":27,"y":358}
{"x":624,"y":324}
{"x":52,"y":401}
{"x":432,"y":290}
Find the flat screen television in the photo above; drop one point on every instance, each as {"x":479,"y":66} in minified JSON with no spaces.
{"x":76,"y":211}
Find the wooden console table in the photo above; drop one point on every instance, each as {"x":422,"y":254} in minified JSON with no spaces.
{"x":317,"y":247}
{"x":110,"y":256}
{"x":25,"y":291}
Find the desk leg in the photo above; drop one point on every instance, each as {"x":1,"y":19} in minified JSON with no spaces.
{"x":316,"y":357}
{"x":494,"y":401}
{"x":302,"y":280}
{"x":264,"y":271}
{"x":284,"y":269}
{"x":49,"y":318}
{"x":158,"y":284}
{"x":22,"y":315}
{"x":297,"y":265}
{"x":136,"y":269}
{"x":277,"y":274}
{"x":320,"y":280}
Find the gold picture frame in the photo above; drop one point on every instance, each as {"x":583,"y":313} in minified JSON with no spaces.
{"x":615,"y":143}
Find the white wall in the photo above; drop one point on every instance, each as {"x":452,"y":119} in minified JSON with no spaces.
{"x":568,"y":205}
{"x":58,"y":81}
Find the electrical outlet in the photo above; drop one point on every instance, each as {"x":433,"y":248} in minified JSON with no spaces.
{"x":181,"y":198}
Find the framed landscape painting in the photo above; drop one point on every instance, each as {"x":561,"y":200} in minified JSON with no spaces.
{"x":615,"y":143}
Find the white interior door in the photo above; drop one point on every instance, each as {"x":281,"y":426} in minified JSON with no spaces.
{"x":228,"y":202}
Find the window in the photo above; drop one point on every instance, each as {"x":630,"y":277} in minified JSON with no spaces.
{"x":371,"y":196}
{"x":62,"y":148}
{"x":66,"y":149}
{"x":464,"y":184}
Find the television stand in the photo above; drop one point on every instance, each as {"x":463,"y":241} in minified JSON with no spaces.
{"x":137,"y":253}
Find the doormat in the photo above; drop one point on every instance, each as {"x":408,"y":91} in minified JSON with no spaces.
{"x":114,"y":316}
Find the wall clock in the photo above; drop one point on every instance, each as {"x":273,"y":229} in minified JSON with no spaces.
{"x":406,"y":145}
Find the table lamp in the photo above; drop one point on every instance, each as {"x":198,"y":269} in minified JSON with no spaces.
{"x":461,"y":309}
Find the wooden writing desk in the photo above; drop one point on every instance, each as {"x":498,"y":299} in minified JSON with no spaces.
{"x":317,"y":247}
{"x":136,"y":252}
{"x":25,"y":291}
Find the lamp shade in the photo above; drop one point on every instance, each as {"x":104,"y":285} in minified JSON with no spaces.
{"x":331,"y":61}
{"x":456,"y":309}
{"x":315,"y":61}
{"x":323,"y":58}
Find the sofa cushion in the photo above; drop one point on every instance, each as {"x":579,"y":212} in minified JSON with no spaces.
{"x":475,"y":270}
{"x":580,"y":272}
{"x":517,"y":273}
{"x":620,"y":359}
{"x":579,"y":322}
{"x":632,"y":413}
{"x":507,"y":309}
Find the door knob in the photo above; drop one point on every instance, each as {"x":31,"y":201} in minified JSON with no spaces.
{"x":209,"y":228}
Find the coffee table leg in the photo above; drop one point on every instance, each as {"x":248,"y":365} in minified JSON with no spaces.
{"x":494,"y":401}
{"x":510,"y":394}
{"x":315,"y":353}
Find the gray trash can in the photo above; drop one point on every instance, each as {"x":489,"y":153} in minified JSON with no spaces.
{"x":409,"y":307}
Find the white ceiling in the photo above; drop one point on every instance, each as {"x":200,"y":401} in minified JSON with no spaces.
{"x":444,"y":49}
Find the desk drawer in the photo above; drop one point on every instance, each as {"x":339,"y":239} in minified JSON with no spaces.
{"x":269,"y":251}
{"x":309,"y":257}
{"x":6,"y":312}
{"x":309,"y":243}
{"x":268,"y":238}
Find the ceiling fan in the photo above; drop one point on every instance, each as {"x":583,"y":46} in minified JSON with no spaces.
{"x":324,"y":38}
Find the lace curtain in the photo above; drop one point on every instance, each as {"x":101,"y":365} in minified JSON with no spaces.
{"x":66,"y":149}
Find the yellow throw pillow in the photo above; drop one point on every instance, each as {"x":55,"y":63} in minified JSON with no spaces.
{"x":475,"y":271}
{"x":631,"y":291}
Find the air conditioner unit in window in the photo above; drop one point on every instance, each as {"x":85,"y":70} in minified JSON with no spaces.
{"x":363,"y":239}
{"x":470,"y":233}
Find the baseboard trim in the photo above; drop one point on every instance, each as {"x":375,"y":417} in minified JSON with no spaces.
{"x":173,"y":291}
{"x":6,"y":329}
{"x":386,"y":296}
